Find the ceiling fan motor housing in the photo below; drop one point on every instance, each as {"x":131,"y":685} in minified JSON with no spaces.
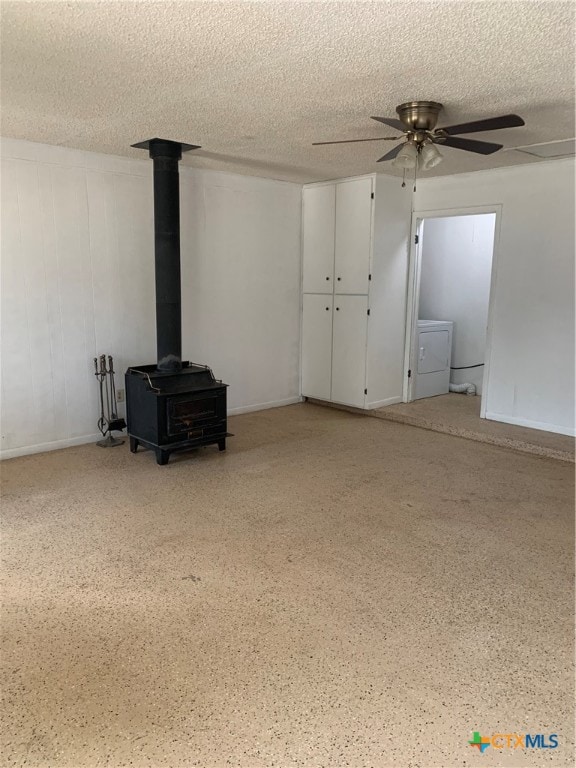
{"x":419,"y":115}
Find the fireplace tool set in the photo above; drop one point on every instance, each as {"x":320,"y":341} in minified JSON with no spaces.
{"x":109,"y":421}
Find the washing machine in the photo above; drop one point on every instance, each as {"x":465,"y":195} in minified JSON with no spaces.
{"x":434,"y":352}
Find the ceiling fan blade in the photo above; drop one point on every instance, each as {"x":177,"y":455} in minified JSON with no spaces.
{"x":470,"y":145}
{"x":392,"y":154}
{"x":392,"y":122}
{"x":354,"y":141}
{"x":490,"y":124}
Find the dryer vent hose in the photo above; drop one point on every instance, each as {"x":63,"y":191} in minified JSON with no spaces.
{"x":465,"y":389}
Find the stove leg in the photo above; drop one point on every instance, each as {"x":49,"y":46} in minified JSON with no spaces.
{"x":162,"y":456}
{"x":221,"y":445}
{"x":134,"y":445}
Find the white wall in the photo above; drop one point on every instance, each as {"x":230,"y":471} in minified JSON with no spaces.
{"x":456,"y":266}
{"x":532,"y":361}
{"x":78,"y":280}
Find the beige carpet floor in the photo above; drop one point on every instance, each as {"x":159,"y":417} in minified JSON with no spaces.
{"x":459,"y":415}
{"x":334,"y":590}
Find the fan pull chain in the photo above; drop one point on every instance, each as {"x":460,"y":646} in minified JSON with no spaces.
{"x":404,"y":177}
{"x":415,"y":171}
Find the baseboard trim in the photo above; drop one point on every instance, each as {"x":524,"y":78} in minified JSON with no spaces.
{"x":519,"y":422}
{"x":384,"y":403}
{"x":264,"y":406}
{"x":56,"y":445}
{"x":336,"y":406}
{"x":355,"y":408}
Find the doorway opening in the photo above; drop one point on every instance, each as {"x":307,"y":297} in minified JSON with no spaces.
{"x":448,"y":339}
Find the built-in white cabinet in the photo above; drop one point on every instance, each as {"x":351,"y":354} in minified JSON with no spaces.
{"x":318,"y":223}
{"x":355,"y":270}
{"x":334,"y":332}
{"x":317,"y":345}
{"x":337,"y":231}
{"x":353,"y":235}
{"x":349,"y":333}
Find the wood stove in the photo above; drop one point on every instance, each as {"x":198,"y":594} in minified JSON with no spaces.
{"x":171,"y":405}
{"x":174,"y":411}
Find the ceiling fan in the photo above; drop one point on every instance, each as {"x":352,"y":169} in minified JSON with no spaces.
{"x":418,"y":125}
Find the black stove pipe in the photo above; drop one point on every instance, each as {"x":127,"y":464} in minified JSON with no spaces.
{"x":166,"y":155}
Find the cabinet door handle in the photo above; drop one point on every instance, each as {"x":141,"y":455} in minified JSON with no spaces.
{"x":339,"y":278}
{"x":327,"y":278}
{"x":327,"y":309}
{"x":337,"y":309}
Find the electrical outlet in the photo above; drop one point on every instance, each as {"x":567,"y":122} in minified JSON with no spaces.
{"x":120,"y":396}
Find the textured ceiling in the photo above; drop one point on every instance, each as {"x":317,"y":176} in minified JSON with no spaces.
{"x":255,"y":83}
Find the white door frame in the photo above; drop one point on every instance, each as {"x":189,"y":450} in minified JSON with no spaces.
{"x":414,"y":270}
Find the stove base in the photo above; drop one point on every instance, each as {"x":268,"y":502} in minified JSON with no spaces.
{"x":162,"y":452}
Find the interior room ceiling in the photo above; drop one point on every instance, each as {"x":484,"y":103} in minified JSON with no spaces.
{"x":255,"y":83}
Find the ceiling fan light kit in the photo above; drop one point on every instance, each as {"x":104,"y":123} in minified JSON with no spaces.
{"x":429,"y":156}
{"x":417,"y":122}
{"x":407,"y":158}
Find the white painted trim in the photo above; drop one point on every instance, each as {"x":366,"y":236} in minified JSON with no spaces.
{"x":195,"y":171}
{"x":90,"y":160}
{"x":325,"y":182}
{"x":541,"y":425}
{"x":384,"y":403}
{"x":301,"y":296}
{"x":264,"y":406}
{"x":501,"y":170}
{"x":413,"y":289}
{"x":415,"y":264}
{"x":444,"y":213}
{"x":370,"y":271}
{"x":13,"y":453}
{"x":490,"y":321}
{"x":56,"y":445}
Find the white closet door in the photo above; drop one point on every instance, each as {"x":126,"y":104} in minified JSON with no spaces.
{"x":349,"y":350}
{"x":353,"y":236}
{"x":317,"y":345}
{"x":319,"y":207}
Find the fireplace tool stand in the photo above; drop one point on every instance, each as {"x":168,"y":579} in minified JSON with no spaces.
{"x":109,"y":421}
